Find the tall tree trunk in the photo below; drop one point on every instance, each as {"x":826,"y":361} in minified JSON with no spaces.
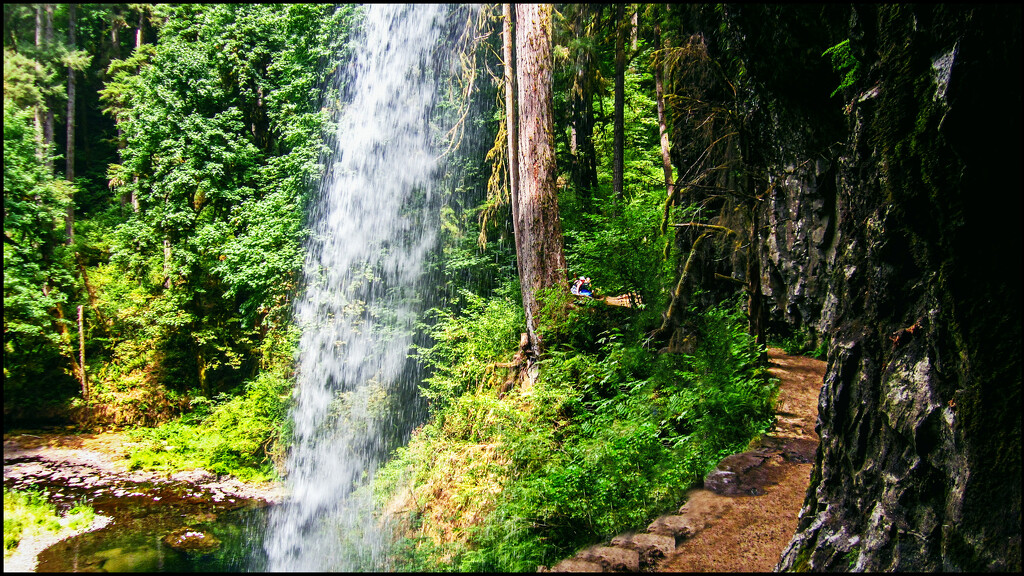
{"x":584,"y":166}
{"x":756,"y":313}
{"x":584,"y":174}
{"x":65,"y":336}
{"x":620,"y":100}
{"x":204,"y":385}
{"x":69,"y":156}
{"x":511,"y":116}
{"x":141,"y":27}
{"x":115,"y":34}
{"x":634,"y":28}
{"x":511,"y":104}
{"x":659,"y":92}
{"x":135,"y":194}
{"x":135,"y":187}
{"x":588,"y":154}
{"x":81,"y":352}
{"x":48,"y":120}
{"x":539,"y":244}
{"x":38,"y":111}
{"x":102,"y":322}
{"x":167,"y":262}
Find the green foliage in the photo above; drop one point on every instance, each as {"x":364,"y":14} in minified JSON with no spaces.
{"x":222,"y":166}
{"x":221,"y":140}
{"x":622,"y":252}
{"x":845,"y":63}
{"x":240,"y":435}
{"x":37,"y":266}
{"x":28,"y":512}
{"x":602,"y":443}
{"x":26,"y":84}
{"x":803,"y":342}
{"x":468,"y":344}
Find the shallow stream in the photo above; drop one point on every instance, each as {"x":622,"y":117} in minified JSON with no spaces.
{"x":161,"y":525}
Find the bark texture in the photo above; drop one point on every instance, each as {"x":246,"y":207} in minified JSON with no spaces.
{"x":511,"y":113}
{"x":618,"y":130}
{"x":539,"y":244}
{"x":69,"y":156}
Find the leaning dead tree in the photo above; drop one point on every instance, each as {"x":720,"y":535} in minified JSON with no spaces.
{"x":720,"y":232}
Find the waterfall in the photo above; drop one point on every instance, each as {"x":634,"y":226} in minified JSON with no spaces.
{"x":372,"y":228}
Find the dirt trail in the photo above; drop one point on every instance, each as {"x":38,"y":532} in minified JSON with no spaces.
{"x":746,"y":513}
{"x":751,"y":531}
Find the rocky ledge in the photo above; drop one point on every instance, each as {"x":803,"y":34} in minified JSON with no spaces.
{"x":26,"y":462}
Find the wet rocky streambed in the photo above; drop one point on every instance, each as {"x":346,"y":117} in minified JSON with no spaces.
{"x":186,"y":522}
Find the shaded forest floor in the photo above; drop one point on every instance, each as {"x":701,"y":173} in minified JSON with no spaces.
{"x":746,"y":513}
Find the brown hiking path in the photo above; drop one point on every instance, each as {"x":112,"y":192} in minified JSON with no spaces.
{"x":749,"y":533}
{"x":746,"y":513}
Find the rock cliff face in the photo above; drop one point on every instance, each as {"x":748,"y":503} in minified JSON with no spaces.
{"x":800,"y":214}
{"x":886,"y":219}
{"x":919,"y":462}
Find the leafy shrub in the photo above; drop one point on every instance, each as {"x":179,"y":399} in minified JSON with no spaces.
{"x":618,"y":250}
{"x":603,"y":442}
{"x":240,"y":435}
{"x":804,"y":342}
{"x":27,"y":511}
{"x":467,"y":346}
{"x":845,"y":63}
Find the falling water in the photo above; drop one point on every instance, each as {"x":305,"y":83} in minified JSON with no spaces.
{"x":373,"y":228}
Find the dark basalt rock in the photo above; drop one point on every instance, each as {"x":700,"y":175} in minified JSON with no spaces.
{"x":731,"y":476}
{"x":919,"y":460}
{"x":650,"y":547}
{"x":799,"y":245}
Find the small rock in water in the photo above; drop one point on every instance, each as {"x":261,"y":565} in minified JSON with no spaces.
{"x":186,"y":538}
{"x":107,"y":554}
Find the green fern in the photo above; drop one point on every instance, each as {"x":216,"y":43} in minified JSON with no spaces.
{"x":845,"y":63}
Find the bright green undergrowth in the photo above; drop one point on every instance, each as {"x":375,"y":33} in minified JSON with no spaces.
{"x":803,"y":343}
{"x":240,"y":435}
{"x":610,"y":436}
{"x":27,"y":512}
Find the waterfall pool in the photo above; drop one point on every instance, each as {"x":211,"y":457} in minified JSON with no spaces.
{"x":158,"y":523}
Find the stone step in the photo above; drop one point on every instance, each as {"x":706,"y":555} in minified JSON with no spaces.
{"x":650,"y":547}
{"x":611,"y":558}
{"x":676,"y":526}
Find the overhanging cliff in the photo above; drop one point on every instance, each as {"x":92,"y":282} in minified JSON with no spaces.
{"x":919,"y":463}
{"x":886,"y":220}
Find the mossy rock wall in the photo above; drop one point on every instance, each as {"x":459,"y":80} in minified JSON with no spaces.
{"x":919,"y":417}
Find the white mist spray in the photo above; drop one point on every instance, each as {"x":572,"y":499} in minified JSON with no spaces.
{"x":372,"y":230}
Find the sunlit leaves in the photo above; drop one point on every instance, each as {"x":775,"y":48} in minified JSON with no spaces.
{"x":223,"y":134}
